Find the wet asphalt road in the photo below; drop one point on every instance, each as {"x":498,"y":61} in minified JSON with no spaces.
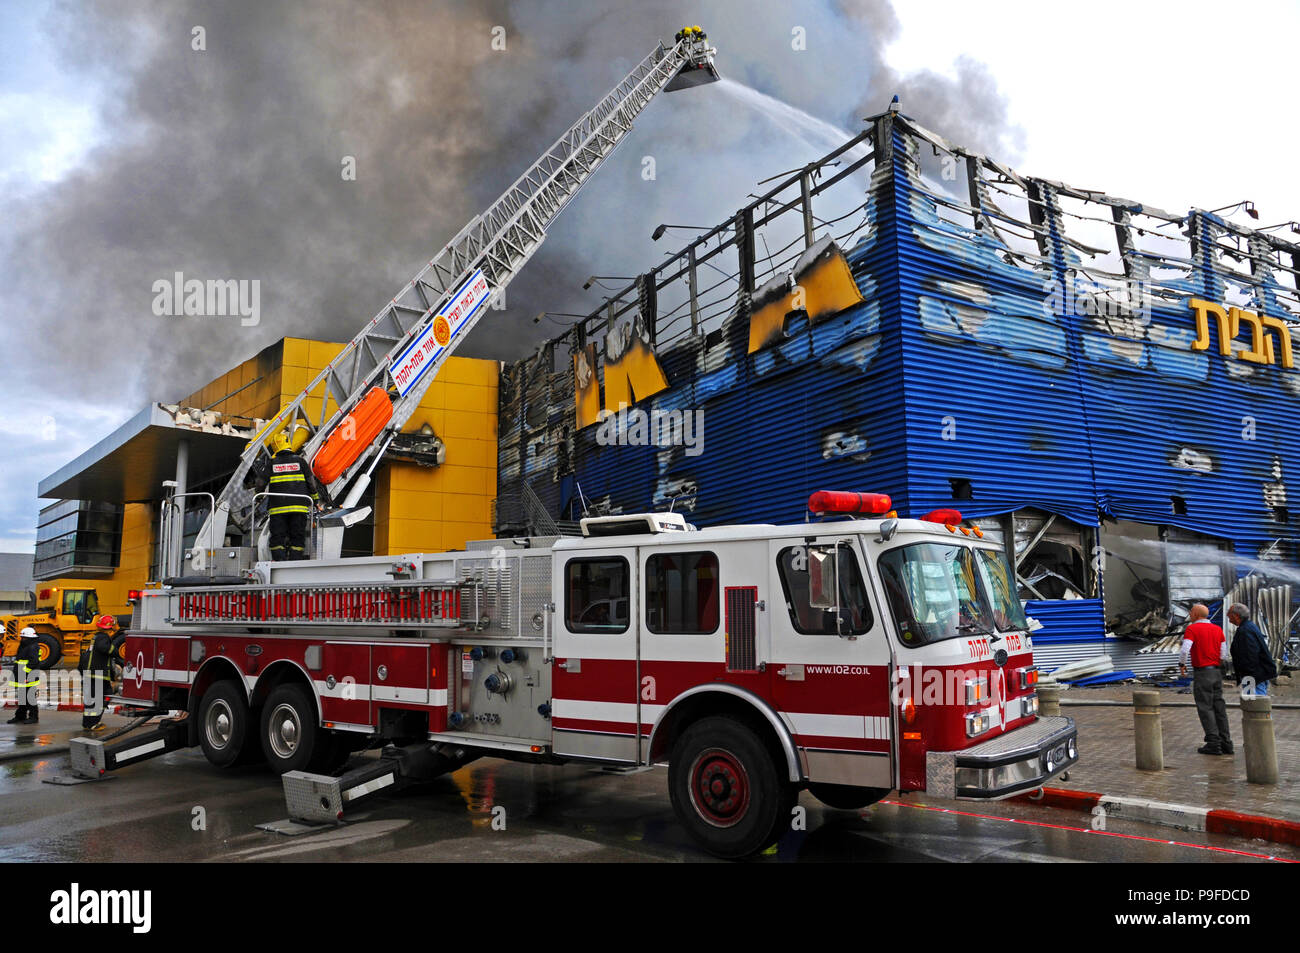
{"x":151,"y":812}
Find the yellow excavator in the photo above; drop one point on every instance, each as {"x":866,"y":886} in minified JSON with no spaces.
{"x":64,"y":618}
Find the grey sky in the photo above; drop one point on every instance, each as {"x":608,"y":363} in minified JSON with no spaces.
{"x":128,"y":156}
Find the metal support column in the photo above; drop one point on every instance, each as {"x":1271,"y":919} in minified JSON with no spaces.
{"x":178,"y":515}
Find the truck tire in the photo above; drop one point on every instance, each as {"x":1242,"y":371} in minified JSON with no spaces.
{"x":51,"y":650}
{"x":727,"y":788}
{"x":291,"y":738}
{"x":223,"y":724}
{"x":845,"y":797}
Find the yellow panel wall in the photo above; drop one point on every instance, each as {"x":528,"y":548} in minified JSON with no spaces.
{"x":420,"y":509}
{"x":416,"y":508}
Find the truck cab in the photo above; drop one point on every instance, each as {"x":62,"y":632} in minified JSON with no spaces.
{"x":853,"y":656}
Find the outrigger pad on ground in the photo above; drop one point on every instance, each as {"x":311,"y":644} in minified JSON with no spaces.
{"x":66,"y":780}
{"x":291,"y":828}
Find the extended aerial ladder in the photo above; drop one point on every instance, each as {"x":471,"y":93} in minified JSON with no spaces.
{"x":363,"y":397}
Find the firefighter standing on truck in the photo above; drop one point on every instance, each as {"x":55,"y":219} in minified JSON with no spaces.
{"x":289,"y":475}
{"x":26,"y":677}
{"x":99,"y":682}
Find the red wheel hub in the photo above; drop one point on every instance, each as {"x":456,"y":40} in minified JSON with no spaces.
{"x":719,"y":787}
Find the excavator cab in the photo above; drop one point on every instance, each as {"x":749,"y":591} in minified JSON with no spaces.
{"x":699,"y":68}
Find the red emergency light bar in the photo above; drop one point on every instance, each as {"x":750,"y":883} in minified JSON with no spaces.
{"x":949,"y":517}
{"x":833,"y":501}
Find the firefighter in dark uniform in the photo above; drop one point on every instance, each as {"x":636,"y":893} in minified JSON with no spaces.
{"x":288,"y":473}
{"x":26,"y":677}
{"x":98,"y":683}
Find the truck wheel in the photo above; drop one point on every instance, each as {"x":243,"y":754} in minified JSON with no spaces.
{"x":845,"y":797}
{"x":50,"y":651}
{"x":727,"y":789}
{"x":223,"y":724}
{"x":291,"y":739}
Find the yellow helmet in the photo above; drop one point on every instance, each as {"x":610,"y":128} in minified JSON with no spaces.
{"x":282,"y":442}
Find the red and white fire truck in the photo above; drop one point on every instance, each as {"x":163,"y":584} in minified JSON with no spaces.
{"x":851,"y":656}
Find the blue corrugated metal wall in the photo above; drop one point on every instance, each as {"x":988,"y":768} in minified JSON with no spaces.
{"x":957,"y":366}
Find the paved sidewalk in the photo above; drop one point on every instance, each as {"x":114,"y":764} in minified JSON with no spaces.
{"x":1106,"y":754}
{"x":49,"y":737}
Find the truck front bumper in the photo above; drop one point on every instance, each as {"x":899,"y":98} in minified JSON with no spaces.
{"x":1020,"y":760}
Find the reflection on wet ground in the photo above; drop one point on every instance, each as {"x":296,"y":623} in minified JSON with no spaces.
{"x":179,"y":808}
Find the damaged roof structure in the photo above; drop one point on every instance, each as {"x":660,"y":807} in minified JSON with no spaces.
{"x":1107,"y":387}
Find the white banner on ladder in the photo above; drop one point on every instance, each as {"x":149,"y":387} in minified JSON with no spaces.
{"x":424,"y":351}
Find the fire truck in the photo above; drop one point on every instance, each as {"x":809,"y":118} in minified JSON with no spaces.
{"x":851,"y":655}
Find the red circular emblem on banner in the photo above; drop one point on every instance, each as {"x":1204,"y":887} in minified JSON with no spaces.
{"x":441,"y":331}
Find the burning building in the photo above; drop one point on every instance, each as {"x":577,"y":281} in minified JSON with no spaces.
{"x":1104,"y":386}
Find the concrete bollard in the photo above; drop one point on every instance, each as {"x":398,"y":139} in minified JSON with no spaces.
{"x":1049,"y":700}
{"x":1257,"y":736}
{"x":1148,"y":739}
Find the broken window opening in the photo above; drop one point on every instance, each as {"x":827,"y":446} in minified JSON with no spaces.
{"x":1154,"y":574}
{"x":1050,"y":553}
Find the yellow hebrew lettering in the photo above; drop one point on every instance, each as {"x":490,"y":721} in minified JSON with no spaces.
{"x":1261,"y":347}
{"x":1227,"y":326}
{"x":1201,"y":309}
{"x":586,"y":388}
{"x":1283,"y":331}
{"x":634,"y":371}
{"x":825,"y":284}
{"x":767,"y":323}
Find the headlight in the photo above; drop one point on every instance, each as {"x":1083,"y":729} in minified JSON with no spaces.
{"x":977,"y":723}
{"x":1029,"y":706}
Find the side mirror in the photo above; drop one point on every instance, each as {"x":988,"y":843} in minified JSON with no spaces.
{"x":887,"y":529}
{"x":822,"y":589}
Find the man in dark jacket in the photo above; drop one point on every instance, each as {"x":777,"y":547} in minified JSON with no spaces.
{"x":26,"y":677}
{"x":98,"y":682}
{"x":1250,"y":655}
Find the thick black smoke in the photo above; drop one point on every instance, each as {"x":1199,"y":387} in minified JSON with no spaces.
{"x":226,"y":163}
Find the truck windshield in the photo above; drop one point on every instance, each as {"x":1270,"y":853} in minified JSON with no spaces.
{"x":1008,"y":610}
{"x":941,"y":591}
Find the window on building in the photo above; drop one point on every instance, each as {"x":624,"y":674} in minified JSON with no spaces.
{"x":854,"y":617}
{"x":78,"y":536}
{"x":681,"y":593}
{"x":596,"y":594}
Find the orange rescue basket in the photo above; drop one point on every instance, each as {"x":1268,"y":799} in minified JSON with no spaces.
{"x":354,"y":434}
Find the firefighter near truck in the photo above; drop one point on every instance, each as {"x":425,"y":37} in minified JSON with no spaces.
{"x":852,"y":655}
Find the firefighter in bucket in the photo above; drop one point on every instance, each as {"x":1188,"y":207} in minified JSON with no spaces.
{"x":290,"y":483}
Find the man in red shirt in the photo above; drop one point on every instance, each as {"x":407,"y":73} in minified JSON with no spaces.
{"x":1205,"y":648}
